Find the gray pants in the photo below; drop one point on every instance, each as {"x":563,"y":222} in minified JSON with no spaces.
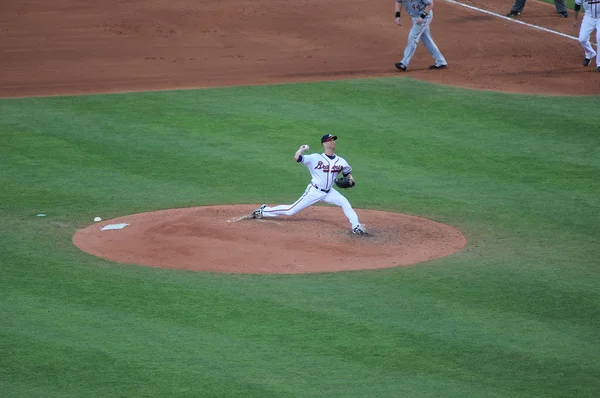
{"x":421,"y":32}
{"x":520,"y":4}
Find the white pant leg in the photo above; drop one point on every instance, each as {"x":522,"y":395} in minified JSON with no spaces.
{"x":308,"y":198}
{"x":587,"y":26}
{"x":597,"y":38}
{"x":336,"y":198}
{"x":433,"y":48}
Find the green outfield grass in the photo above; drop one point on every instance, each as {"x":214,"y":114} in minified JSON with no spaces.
{"x":515,"y":314}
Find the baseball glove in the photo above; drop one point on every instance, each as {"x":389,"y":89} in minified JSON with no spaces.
{"x":344,"y":182}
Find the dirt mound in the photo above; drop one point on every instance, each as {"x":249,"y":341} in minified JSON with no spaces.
{"x":318,"y":239}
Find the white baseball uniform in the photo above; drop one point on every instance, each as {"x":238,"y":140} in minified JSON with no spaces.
{"x":324,"y":170}
{"x":591,"y":21}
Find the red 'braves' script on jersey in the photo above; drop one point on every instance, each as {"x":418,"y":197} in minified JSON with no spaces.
{"x":325,"y":167}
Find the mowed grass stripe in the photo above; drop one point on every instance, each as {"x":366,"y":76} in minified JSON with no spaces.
{"x":514,"y":314}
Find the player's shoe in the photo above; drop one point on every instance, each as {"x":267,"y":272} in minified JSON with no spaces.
{"x":564,"y":14}
{"x":258,"y":213}
{"x":587,"y":61}
{"x":359,"y":230}
{"x":513,"y":14}
{"x":400,"y":66}
{"x":598,"y":69}
{"x":443,"y":66}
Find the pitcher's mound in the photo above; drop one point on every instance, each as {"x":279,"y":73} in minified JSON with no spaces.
{"x":318,"y":239}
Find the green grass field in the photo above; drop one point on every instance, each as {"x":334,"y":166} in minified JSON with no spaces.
{"x":516,"y":314}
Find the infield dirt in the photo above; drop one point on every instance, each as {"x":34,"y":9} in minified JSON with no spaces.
{"x":73,"y":47}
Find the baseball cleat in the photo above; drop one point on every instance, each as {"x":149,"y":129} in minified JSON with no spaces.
{"x":400,"y":66}
{"x":258,"y":213}
{"x":598,"y":69}
{"x":587,"y":61}
{"x":438,"y":66}
{"x":513,"y":14}
{"x":359,"y":230}
{"x":564,"y":14}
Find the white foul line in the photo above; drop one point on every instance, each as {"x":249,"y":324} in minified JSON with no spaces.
{"x":513,"y":20}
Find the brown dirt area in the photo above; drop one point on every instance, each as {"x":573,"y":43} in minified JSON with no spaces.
{"x":317,"y":239}
{"x":64,"y":47}
{"x":76,"y":47}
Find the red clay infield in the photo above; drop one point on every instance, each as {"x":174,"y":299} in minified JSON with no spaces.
{"x":71,"y":47}
{"x":74,"y":47}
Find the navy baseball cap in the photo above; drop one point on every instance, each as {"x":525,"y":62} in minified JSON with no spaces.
{"x":328,"y":137}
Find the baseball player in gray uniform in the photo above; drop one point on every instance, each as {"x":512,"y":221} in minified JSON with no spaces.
{"x":421,"y":13}
{"x":591,"y":21}
{"x":323,"y":168}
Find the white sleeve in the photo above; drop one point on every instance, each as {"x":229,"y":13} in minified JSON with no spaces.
{"x":307,"y":160}
{"x":346,"y":168}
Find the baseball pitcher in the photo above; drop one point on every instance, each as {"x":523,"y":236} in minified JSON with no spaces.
{"x":324,"y":169}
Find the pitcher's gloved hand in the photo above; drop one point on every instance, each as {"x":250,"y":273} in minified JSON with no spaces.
{"x":344,"y":182}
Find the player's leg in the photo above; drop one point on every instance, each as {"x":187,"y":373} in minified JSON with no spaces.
{"x":439,"y":60}
{"x":413,"y":40}
{"x":597,"y":42}
{"x":308,"y":198}
{"x":561,"y":8}
{"x":587,"y":26}
{"x":336,"y":198}
{"x":517,"y":8}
